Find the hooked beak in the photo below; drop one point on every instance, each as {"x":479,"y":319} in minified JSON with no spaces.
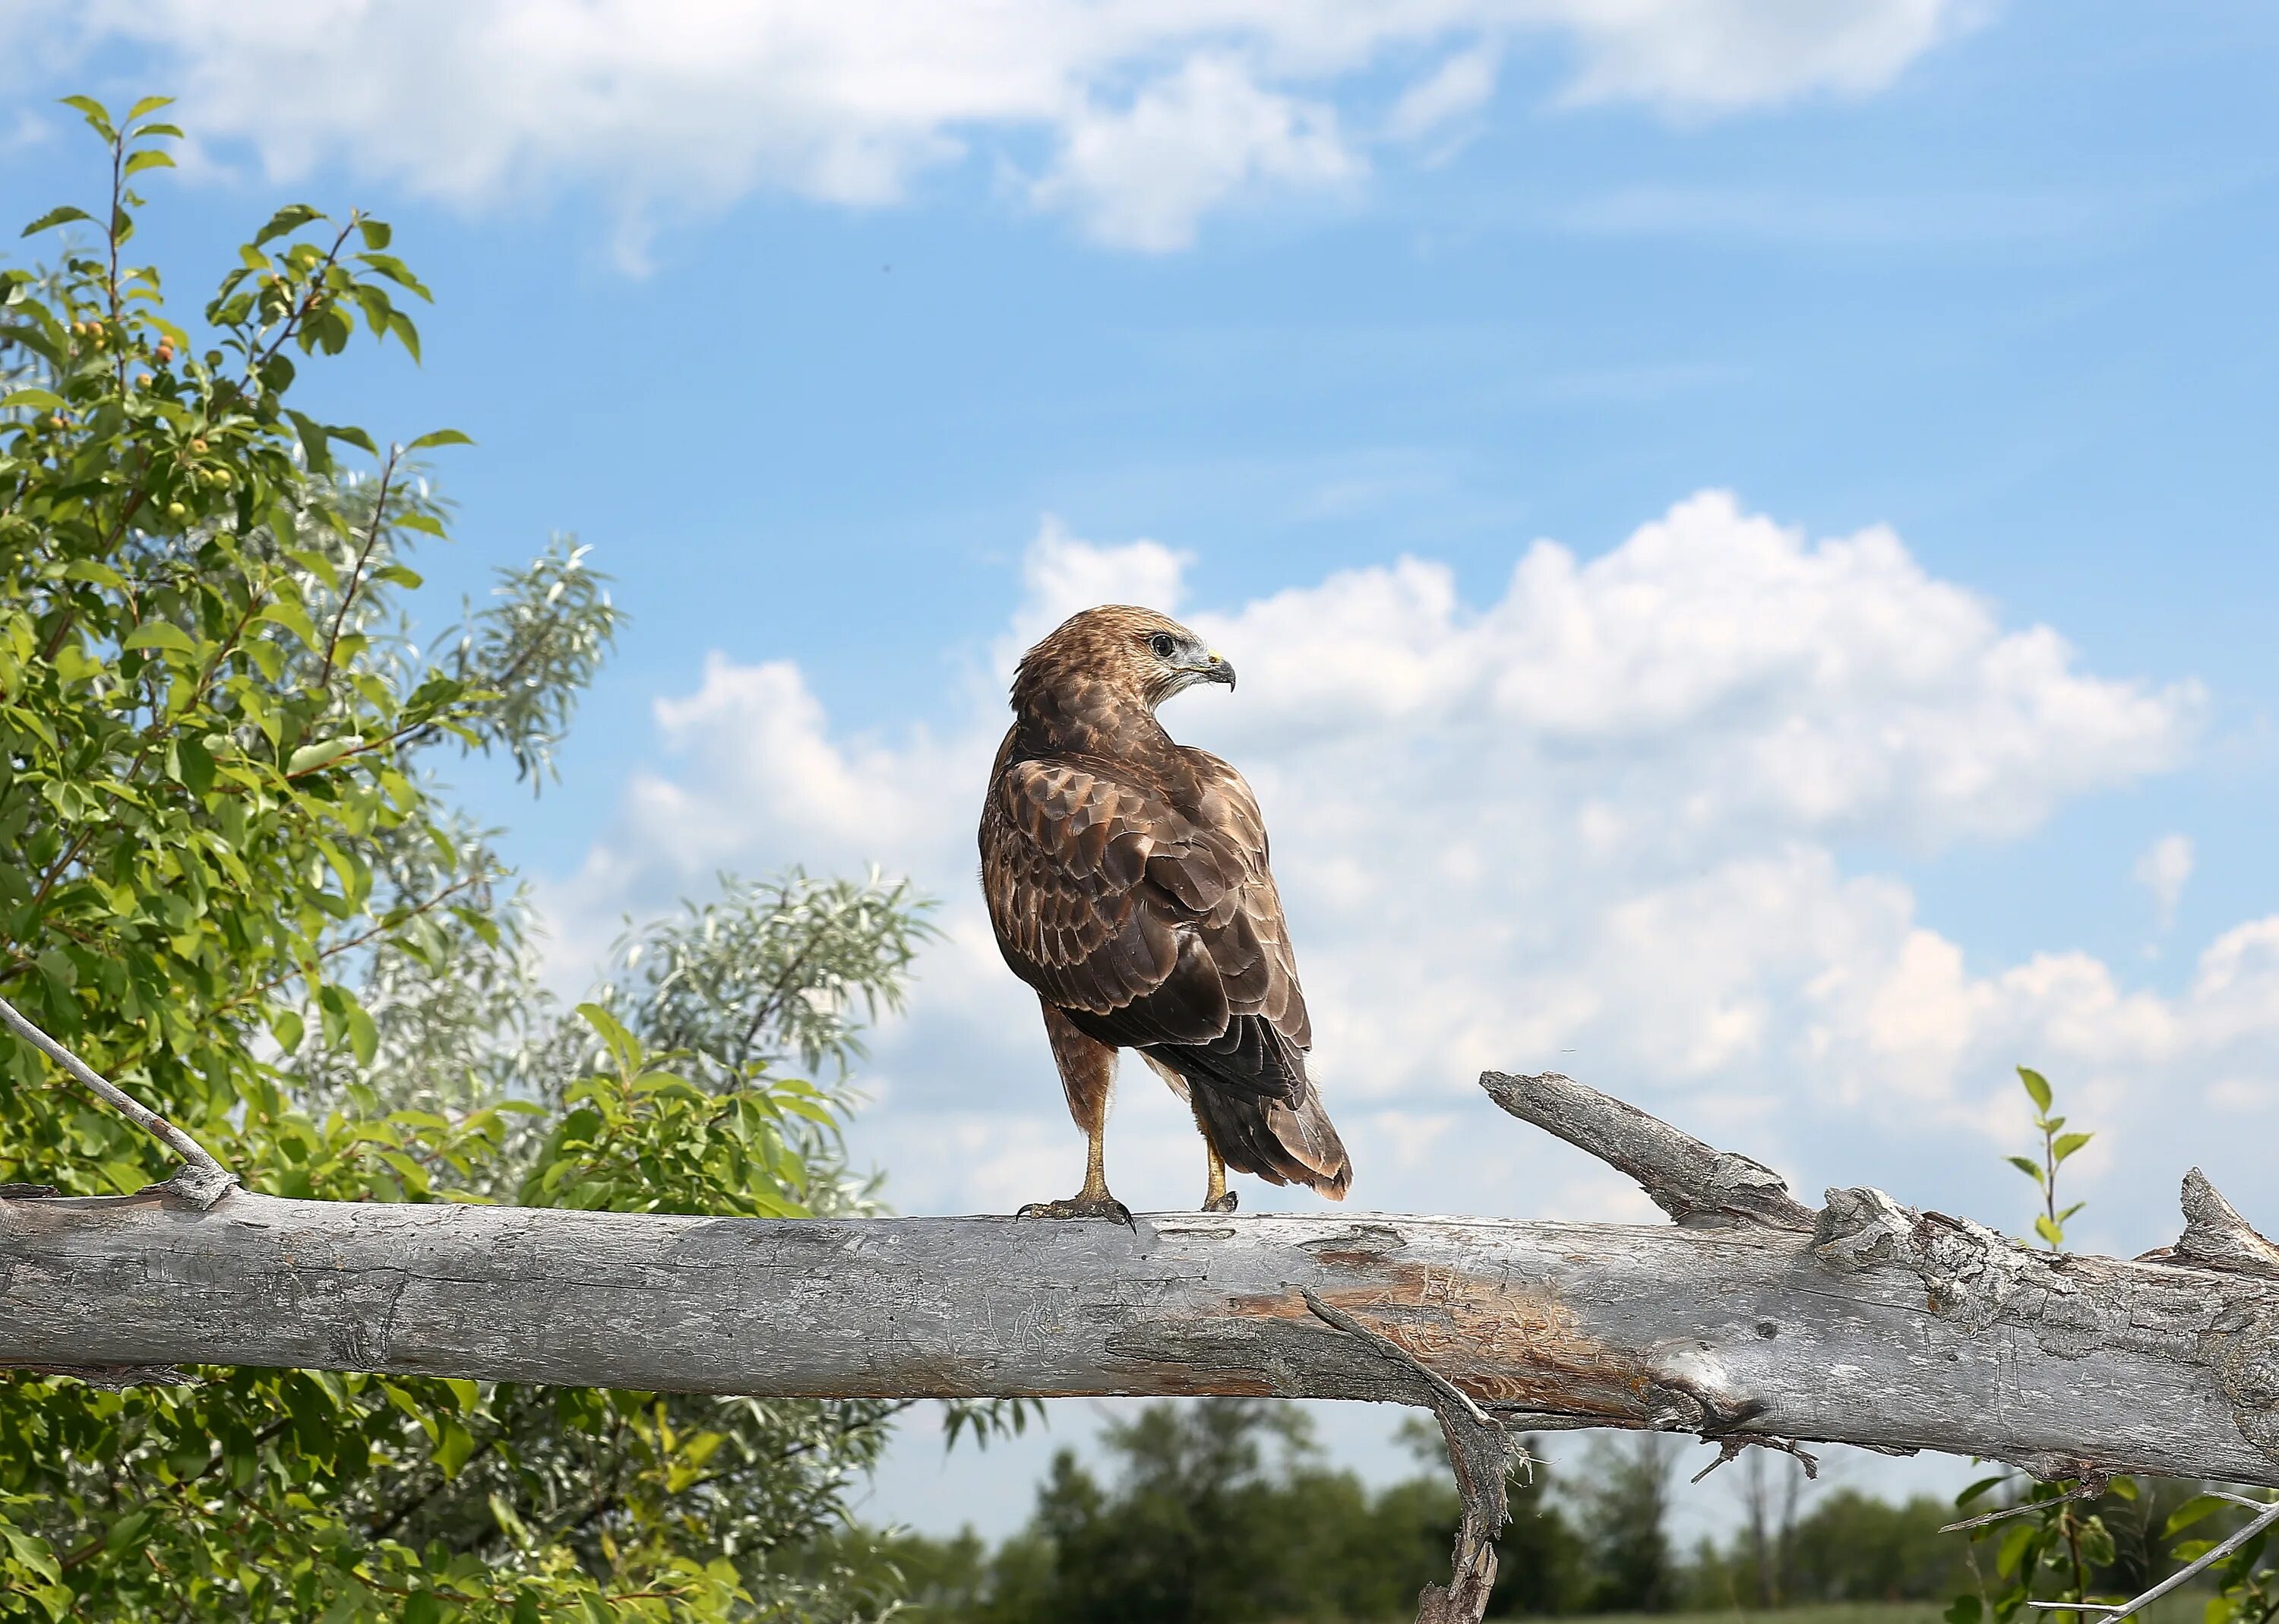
{"x":1219,"y":670}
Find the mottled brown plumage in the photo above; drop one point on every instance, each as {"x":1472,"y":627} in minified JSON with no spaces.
{"x":1126,"y":878}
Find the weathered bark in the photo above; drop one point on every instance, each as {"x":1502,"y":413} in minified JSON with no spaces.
{"x":1876,"y":1325}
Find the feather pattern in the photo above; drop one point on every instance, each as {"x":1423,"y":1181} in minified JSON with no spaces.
{"x":1127,"y":881}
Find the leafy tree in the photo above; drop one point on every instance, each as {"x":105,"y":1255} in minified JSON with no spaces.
{"x":1624,"y":1523}
{"x":1853,"y":1547}
{"x":232,"y":879}
{"x":1221,"y":1509}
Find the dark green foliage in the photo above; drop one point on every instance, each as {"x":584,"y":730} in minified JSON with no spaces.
{"x":1221,"y":1510}
{"x":1847,"y":1547}
{"x":1624,"y":1522}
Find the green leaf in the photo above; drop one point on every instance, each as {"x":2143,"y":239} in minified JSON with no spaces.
{"x":2190,"y":1512}
{"x":54,"y":218}
{"x":293,"y":618}
{"x":375,"y":234}
{"x":97,"y":116}
{"x":2049,"y":1231}
{"x":309,"y":757}
{"x":2031,"y":1169}
{"x":38,"y":400}
{"x":440,"y":437}
{"x":148,"y":105}
{"x":151,"y":158}
{"x":454,"y":1449}
{"x":1970,"y":1495}
{"x":406,"y":334}
{"x":287,"y":1029}
{"x":622,"y":1043}
{"x":123,"y":1533}
{"x":2067,"y":1144}
{"x":364,"y":1036}
{"x":2038,"y":1087}
{"x":194,"y":765}
{"x":160,"y":634}
{"x":291,"y":217}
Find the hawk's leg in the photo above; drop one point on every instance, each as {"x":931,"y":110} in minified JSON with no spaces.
{"x":1087,"y":1070}
{"x":1216,"y":1196}
{"x":1091,"y":1201}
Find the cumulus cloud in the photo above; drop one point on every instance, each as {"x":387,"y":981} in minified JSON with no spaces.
{"x":1593,"y":824}
{"x":1141,"y":177}
{"x":1156,"y":113}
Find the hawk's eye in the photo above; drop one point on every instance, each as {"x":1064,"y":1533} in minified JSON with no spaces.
{"x":1162,"y":645}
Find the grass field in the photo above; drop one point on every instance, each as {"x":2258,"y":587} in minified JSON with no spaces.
{"x":2182,"y":1609}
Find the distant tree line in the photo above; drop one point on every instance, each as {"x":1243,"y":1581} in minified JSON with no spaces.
{"x":1221,"y":1511}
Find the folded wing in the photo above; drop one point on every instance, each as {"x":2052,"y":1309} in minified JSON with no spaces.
{"x":1161,"y":929}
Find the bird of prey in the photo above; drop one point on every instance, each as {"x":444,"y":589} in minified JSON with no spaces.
{"x":1127,"y":883}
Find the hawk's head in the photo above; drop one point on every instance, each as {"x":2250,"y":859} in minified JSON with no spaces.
{"x":1135,"y":653}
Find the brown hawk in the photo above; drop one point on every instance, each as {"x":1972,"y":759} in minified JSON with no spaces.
{"x":1127,"y":882}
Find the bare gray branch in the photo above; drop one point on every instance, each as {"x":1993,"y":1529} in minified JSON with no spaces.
{"x":1700,"y":1186}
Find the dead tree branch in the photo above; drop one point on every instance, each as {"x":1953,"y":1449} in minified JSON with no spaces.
{"x":1753,"y":1321}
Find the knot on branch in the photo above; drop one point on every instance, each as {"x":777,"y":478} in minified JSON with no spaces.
{"x":2246,"y":1365}
{"x":1969,"y":1274}
{"x":1698,"y":1184}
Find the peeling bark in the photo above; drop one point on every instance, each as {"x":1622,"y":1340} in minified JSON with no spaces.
{"x":1755,"y":1320}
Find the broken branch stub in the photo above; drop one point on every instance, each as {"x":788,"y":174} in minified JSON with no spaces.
{"x":2216,"y":1237}
{"x":1699,"y":1185}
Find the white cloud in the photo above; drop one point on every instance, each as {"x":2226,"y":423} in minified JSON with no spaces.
{"x":1454,"y":91}
{"x":1591,"y":825}
{"x":1727,"y":54}
{"x":2164,"y":870}
{"x":1158,"y":112}
{"x":1141,"y":177}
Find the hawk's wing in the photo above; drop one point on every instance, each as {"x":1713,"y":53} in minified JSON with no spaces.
{"x":1148,"y":925}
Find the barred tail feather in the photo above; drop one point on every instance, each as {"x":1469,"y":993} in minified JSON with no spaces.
{"x":1258,"y":1109}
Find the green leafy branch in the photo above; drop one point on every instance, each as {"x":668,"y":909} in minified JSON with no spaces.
{"x":2057,"y":1147}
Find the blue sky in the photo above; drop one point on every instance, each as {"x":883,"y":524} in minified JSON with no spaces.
{"x":859,"y":355}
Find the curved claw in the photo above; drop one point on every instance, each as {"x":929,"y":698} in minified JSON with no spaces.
{"x":1082,"y":1206}
{"x":1225,"y":1202}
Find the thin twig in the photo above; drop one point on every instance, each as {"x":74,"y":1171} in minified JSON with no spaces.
{"x":2199,"y":1565}
{"x":1729,"y":1447}
{"x":200,"y":1180}
{"x":356,"y":575}
{"x":2092,"y":1485}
